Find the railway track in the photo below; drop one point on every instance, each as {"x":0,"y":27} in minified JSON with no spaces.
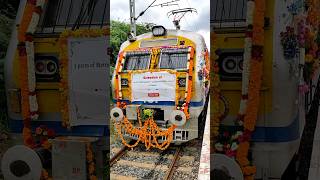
{"x":177,"y":162}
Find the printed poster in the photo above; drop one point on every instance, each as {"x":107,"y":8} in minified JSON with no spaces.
{"x":88,"y":81}
{"x":153,"y":86}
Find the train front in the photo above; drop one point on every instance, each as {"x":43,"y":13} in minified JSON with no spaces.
{"x":159,"y":86}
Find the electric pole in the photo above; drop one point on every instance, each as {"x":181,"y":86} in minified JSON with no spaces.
{"x":133,"y":28}
{"x":133,"y":18}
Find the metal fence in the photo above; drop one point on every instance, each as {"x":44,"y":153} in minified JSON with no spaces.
{"x":73,"y":14}
{"x":228,"y":14}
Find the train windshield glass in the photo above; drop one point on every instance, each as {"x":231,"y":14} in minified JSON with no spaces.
{"x":68,"y":14}
{"x":174,"y":58}
{"x":137,"y":60}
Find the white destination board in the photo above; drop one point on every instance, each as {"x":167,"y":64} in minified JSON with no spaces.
{"x":88,"y":81}
{"x":153,"y":86}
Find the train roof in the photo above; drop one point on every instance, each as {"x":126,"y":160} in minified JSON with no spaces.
{"x":193,"y":36}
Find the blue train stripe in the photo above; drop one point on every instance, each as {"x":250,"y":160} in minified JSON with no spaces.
{"x":278,"y":134}
{"x":162,"y":103}
{"x":90,"y":131}
{"x":261,"y":134}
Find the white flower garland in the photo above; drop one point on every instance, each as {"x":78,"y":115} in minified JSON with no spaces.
{"x":250,"y":12}
{"x":246,"y":59}
{"x":40,"y":3}
{"x":33,"y":23}
{"x":33,"y":104}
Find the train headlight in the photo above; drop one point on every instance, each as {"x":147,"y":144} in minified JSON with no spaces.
{"x":178,"y":118}
{"x":124,"y":82}
{"x":116,"y":114}
{"x":40,"y":66}
{"x":51,"y":67}
{"x":182,"y":82}
{"x":46,"y":67}
{"x":230,"y":65}
{"x":159,"y":31}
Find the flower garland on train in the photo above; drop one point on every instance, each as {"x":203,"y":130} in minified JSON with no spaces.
{"x":237,"y":144}
{"x":215,"y":92}
{"x":29,"y":104}
{"x":303,"y":37}
{"x":254,"y":86}
{"x":91,"y":170}
{"x":148,"y":131}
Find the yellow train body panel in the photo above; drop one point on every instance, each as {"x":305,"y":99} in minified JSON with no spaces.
{"x":46,"y":91}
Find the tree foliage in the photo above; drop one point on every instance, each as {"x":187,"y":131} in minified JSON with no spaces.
{"x":5,"y":32}
{"x":119,"y":33}
{"x":8,"y":10}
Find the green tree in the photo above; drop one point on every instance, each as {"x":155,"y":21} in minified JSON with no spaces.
{"x":119,"y":33}
{"x":5,"y":32}
{"x":8,"y":9}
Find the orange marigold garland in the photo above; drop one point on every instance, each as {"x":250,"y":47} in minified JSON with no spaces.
{"x":43,"y":135}
{"x":90,"y":162}
{"x":256,"y":68}
{"x":148,"y":133}
{"x":215,"y":95}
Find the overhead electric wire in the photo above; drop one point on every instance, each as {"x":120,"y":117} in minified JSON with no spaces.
{"x":142,"y":12}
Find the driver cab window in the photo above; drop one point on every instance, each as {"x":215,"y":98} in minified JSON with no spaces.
{"x":228,"y":14}
{"x":73,"y":14}
{"x":174,"y":59}
{"x":137,"y":61}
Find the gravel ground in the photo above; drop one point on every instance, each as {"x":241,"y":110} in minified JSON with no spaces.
{"x":140,"y":172}
{"x":192,"y":149}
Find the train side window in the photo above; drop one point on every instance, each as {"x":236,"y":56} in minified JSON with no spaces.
{"x":174,"y":59}
{"x":137,"y":61}
{"x":67,"y":14}
{"x":228,"y":14}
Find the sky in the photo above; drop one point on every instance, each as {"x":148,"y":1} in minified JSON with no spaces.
{"x":197,"y":22}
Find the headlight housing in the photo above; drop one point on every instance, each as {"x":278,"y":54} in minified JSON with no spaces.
{"x":124,"y":82}
{"x":182,"y":82}
{"x":159,"y":31}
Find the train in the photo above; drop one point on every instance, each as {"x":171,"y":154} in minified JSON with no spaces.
{"x":283,"y":102}
{"x":51,"y":75}
{"x":165,"y":72}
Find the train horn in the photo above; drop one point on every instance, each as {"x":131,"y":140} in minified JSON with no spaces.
{"x":116,"y":114}
{"x":178,"y":118}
